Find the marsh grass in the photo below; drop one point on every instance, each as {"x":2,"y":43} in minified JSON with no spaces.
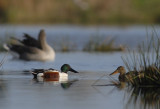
{"x":65,"y":44}
{"x":101,"y":44}
{"x":145,"y":64}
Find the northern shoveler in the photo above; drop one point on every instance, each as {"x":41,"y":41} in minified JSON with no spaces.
{"x":122,"y":72}
{"x":32,"y":49}
{"x":52,"y":74}
{"x":126,"y":76}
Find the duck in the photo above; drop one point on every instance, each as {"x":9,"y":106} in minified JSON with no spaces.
{"x":124,"y":77}
{"x":31,"y":49}
{"x":52,"y":74}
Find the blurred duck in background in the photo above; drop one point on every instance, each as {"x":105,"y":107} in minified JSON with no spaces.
{"x":31,"y":49}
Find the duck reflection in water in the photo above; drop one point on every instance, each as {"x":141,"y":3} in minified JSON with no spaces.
{"x":55,"y":82}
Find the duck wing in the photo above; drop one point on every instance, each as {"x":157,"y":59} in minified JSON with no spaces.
{"x":35,"y":72}
{"x":30,"y":41}
{"x":20,"y":49}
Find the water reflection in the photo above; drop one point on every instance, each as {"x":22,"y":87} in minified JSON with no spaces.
{"x":120,"y":85}
{"x":68,"y":84}
{"x":64,"y":84}
{"x":3,"y":93}
{"x":144,"y":97}
{"x":141,"y":97}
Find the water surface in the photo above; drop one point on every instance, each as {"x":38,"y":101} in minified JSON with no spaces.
{"x":78,"y":36}
{"x":19,"y":90}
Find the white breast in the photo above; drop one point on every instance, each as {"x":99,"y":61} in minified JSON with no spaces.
{"x":61,"y":74}
{"x":63,"y":77}
{"x":40,"y":74}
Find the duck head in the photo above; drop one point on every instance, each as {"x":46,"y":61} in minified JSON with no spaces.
{"x":66,"y":67}
{"x":120,"y":70}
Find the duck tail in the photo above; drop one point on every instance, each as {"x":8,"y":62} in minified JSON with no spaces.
{"x":6,"y":47}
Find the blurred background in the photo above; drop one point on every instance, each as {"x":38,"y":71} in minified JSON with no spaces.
{"x":87,"y":12}
{"x":86,"y":25}
{"x":90,"y":35}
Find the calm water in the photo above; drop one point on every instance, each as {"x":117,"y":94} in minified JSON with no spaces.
{"x":78,"y":36}
{"x":18,"y":89}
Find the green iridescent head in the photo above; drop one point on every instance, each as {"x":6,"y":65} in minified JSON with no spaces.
{"x":65,"y":68}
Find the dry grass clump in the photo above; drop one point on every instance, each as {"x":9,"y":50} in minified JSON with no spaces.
{"x":146,"y":61}
{"x":65,"y":44}
{"x":100,"y":44}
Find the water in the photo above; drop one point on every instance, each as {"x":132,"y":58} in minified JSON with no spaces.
{"x":80,"y":60}
{"x":78,"y":36}
{"x":18,"y":89}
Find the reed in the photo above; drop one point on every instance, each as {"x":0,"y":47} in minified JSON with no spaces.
{"x":65,"y":44}
{"x":145,"y":61}
{"x":101,"y":44}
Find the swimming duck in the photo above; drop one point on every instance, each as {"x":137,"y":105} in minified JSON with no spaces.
{"x":129,"y":76}
{"x":52,"y":74}
{"x":32,"y":49}
{"x":126,"y":76}
{"x":122,"y":72}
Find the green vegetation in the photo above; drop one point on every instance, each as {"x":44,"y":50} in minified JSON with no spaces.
{"x":80,"y":11}
{"x":100,"y":44}
{"x":145,"y":62}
